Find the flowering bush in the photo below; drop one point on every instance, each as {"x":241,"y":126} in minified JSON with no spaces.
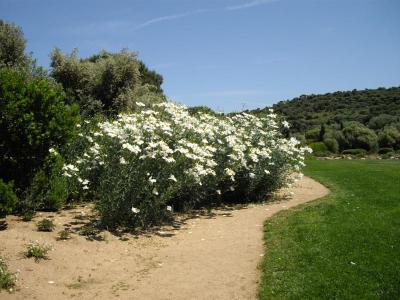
{"x":143,"y":165}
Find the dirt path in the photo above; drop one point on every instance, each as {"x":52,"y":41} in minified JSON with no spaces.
{"x":212,"y":256}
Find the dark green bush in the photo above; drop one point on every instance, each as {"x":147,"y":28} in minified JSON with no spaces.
{"x":49,"y":189}
{"x":355,"y":151}
{"x":33,"y":118}
{"x":8,"y":199}
{"x":385,"y":150}
{"x":45,"y":225}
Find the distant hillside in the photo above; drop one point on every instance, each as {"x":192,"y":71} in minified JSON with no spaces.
{"x":370,"y":109}
{"x":308,"y":111}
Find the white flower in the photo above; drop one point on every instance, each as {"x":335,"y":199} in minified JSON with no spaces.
{"x":141,"y":104}
{"x":285,"y":124}
{"x":122,"y":161}
{"x":252,"y":175}
{"x":135,"y":210}
{"x":85,"y":187}
{"x":78,"y":125}
{"x":53,"y":151}
{"x":231,"y":188}
{"x":172,"y":177}
{"x":155,"y":192}
{"x":169,"y":208}
{"x":218,"y":192}
{"x":229,"y":172}
{"x":267,"y":172}
{"x":152,"y":180}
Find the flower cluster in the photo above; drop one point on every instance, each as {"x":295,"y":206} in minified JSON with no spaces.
{"x":140,"y":165}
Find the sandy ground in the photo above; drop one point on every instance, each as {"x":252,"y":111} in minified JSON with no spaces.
{"x":206,"y":256}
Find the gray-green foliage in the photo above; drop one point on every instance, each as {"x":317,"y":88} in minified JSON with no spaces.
{"x":107,"y":82}
{"x":359,"y":136}
{"x":389,"y":136}
{"x":12,"y":46}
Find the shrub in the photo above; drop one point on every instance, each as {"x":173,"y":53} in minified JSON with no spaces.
{"x":332,"y":144}
{"x":33,"y":118}
{"x":49,"y":189}
{"x":389,"y":137}
{"x":141,"y":163}
{"x":359,"y":136}
{"x":37,"y":251}
{"x":358,"y":152}
{"x":8,"y":199}
{"x":7,"y":279}
{"x":45,"y":225}
{"x":385,"y":150}
{"x":64,"y":235}
{"x":88,"y":230}
{"x":318,"y":148}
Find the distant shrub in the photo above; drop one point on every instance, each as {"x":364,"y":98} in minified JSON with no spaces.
{"x":7,"y":279}
{"x":33,"y":118}
{"x":37,"y":251}
{"x":8,"y":199}
{"x":389,"y":137}
{"x":385,"y":150}
{"x":332,"y":144}
{"x":313,"y":134}
{"x":45,"y":225}
{"x":355,"y":152}
{"x":359,"y":136}
{"x":318,"y":148}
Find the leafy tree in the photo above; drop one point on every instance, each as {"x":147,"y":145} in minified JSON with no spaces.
{"x":33,"y":118}
{"x":107,"y":82}
{"x":150,"y":77}
{"x":12,"y":46}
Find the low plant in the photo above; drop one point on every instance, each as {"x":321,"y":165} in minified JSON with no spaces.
{"x":385,"y":150}
{"x":37,"y":251}
{"x":64,"y":235}
{"x":358,"y":152}
{"x":46,"y":225}
{"x":7,"y":279}
{"x":88,"y":230}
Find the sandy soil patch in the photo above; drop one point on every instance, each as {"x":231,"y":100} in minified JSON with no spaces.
{"x":207,"y":256}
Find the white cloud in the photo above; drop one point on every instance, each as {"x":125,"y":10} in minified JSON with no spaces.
{"x":171,"y":17}
{"x":249,"y":4}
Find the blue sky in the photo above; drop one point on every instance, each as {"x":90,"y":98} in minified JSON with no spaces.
{"x":228,"y":54}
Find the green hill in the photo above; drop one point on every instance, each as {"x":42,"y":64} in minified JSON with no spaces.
{"x":364,"y":113}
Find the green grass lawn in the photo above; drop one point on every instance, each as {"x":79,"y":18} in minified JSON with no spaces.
{"x":344,"y":246}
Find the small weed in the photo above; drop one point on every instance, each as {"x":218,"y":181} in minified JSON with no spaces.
{"x":88,"y":230}
{"x":46,"y":225}
{"x":64,"y":235}
{"x":7,"y":279}
{"x":37,"y":251}
{"x":28,"y":215}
